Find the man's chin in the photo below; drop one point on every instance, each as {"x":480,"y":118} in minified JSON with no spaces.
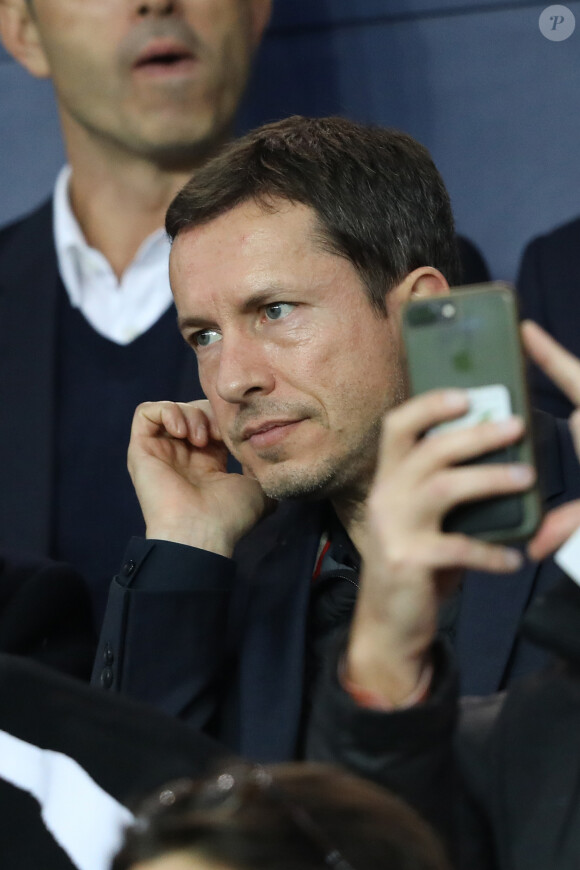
{"x":308,"y":486}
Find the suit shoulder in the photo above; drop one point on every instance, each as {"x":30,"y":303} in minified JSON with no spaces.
{"x":20,"y":230}
{"x":562,"y":238}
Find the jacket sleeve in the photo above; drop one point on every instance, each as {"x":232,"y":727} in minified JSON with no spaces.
{"x":164,"y":636}
{"x":413,"y":752}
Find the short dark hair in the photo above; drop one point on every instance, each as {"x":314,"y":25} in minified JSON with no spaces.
{"x":377,"y":195}
{"x":302,"y":817}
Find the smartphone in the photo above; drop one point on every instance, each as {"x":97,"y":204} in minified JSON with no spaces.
{"x":470,"y":339}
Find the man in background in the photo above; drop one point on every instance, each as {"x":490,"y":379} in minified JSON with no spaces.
{"x":146,"y":91}
{"x":548,"y":282}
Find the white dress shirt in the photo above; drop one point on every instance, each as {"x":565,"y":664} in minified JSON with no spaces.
{"x":119,"y":310}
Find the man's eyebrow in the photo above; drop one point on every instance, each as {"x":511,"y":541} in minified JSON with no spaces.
{"x":263,"y":297}
{"x":184,"y":323}
{"x":251,"y":303}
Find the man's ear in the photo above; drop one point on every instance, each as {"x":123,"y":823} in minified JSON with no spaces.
{"x":420,"y":283}
{"x":260,"y":13}
{"x":20,"y":36}
{"x":427,"y":281}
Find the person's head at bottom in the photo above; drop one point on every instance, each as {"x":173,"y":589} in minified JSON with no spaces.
{"x":287,"y":817}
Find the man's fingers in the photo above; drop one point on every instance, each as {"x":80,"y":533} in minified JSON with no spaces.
{"x":561,"y":366}
{"x":189,"y":420}
{"x":403,"y":427}
{"x":449,"y":449}
{"x":406,"y":423}
{"x":201,"y":422}
{"x":158,"y":418}
{"x":556,"y":528}
{"x":458,"y":551}
{"x":452,"y":487}
{"x":463,"y":445}
{"x":208,"y":417}
{"x":447,"y":489}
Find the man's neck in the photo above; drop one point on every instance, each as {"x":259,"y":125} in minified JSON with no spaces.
{"x":116,"y":214}
{"x":119,"y":199}
{"x":352,"y":515}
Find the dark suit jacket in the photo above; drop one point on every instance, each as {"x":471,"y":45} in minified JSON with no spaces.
{"x":221,"y":643}
{"x":502,"y":784}
{"x":549,"y":290}
{"x":30,"y":290}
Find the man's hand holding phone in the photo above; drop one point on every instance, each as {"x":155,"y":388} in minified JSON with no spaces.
{"x":470,"y":339}
{"x":409,"y":563}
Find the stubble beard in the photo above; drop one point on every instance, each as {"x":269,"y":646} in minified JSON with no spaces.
{"x":343,"y":478}
{"x":346,"y":476}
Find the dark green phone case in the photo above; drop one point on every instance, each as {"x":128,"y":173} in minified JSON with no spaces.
{"x":476,"y":345}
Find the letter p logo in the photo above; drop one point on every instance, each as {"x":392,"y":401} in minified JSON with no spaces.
{"x":557,"y":23}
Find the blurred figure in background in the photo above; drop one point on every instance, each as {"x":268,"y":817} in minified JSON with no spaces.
{"x":549,"y":290}
{"x":146,"y":91}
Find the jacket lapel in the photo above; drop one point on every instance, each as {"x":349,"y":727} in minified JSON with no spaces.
{"x":491,"y":609}
{"x":271,"y":678}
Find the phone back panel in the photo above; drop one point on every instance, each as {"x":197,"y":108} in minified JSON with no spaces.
{"x":471,"y":339}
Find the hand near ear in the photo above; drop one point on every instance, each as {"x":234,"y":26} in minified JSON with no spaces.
{"x":177,"y":462}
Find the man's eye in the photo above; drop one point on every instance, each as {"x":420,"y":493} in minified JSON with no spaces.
{"x":205,"y":337}
{"x":278,"y":310}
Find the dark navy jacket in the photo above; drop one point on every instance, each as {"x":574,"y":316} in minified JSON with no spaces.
{"x":549,"y":291}
{"x":221,"y":643}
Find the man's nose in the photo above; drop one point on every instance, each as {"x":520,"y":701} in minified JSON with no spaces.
{"x":244,"y":368}
{"x":155,"y":7}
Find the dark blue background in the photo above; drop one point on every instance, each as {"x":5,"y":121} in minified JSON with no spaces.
{"x":495,"y":101}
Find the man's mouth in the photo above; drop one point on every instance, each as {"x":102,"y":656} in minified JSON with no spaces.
{"x":165,"y":56}
{"x":270,"y":433}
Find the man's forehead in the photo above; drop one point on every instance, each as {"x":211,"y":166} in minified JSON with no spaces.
{"x":218,"y":270}
{"x":254,"y":221}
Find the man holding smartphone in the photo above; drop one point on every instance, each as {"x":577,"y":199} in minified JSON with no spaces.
{"x":502,"y":783}
{"x":293,"y":254}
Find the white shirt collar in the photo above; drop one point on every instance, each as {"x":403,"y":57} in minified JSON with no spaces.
{"x":119,"y":310}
